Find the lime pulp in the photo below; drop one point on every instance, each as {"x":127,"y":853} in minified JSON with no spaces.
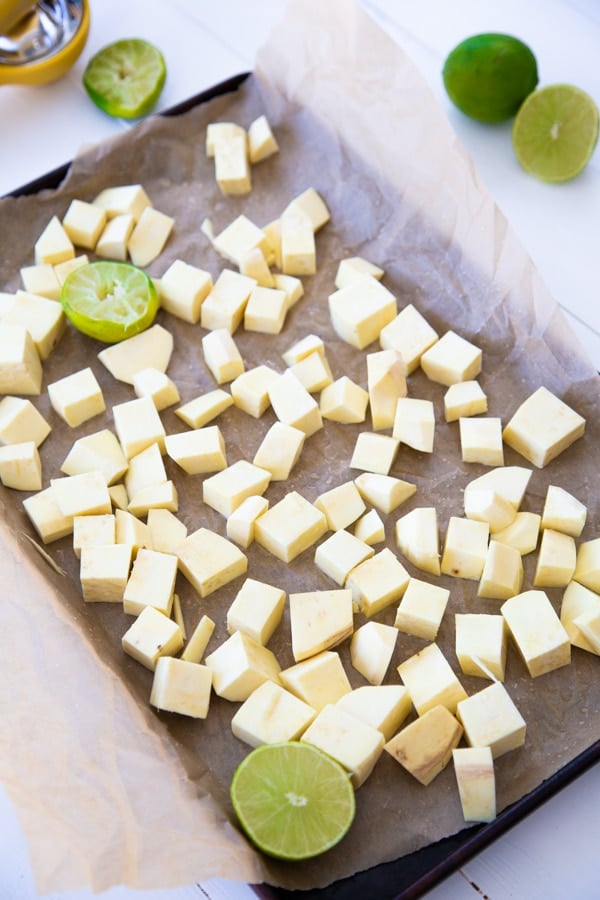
{"x":125,"y":79}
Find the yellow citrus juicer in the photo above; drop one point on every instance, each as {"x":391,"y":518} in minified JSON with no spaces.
{"x":39,"y":42}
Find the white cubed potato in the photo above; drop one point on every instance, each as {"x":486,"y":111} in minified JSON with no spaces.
{"x":20,"y":365}
{"x":54,"y":244}
{"x":241,"y":523}
{"x":43,"y":319}
{"x":465,"y":548}
{"x":541,"y":639}
{"x":237,"y":240}
{"x":100,"y":451}
{"x":422,"y":608}
{"x":418,"y":539}
{"x":198,"y":642}
{"x":183,"y":289}
{"x":369,"y":528}
{"x":319,"y":620}
{"x":290,"y":526}
{"x":131,"y":531}
{"x":360,"y":310}
{"x":104,"y":572}
{"x":181,"y":687}
{"x":340,"y":553}
{"x":430,"y":680}
{"x":414,"y":423}
{"x":271,"y":714}
{"x":356,"y":267}
{"x":502,"y":574}
{"x":177,"y":614}
{"x":256,"y":610}
{"x":563,"y":512}
{"x":291,"y":285}
{"x":149,"y":236}
{"x":491,"y":719}
{"x":486,"y":505}
{"x":198,"y":451}
{"x":377,"y":582}
{"x":261,"y":140}
{"x":250,"y":390}
{"x":476,"y":781}
{"x":481,"y":440}
{"x":344,"y":401}
{"x":293,"y":405}
{"x":587,"y":569}
{"x":63,"y":269}
{"x":232,"y":166}
{"x":386,"y":383}
{"x":166,"y":530}
{"x":342,"y":505}
{"x":280,"y":450}
{"x":254,"y":265}
{"x":588,"y":624}
{"x":138,"y":425}
{"x":272,"y":250}
{"x":203,"y":409}
{"x":509,"y":482}
{"x":77,"y":397}
{"x":149,"y":349}
{"x":371,"y":649}
{"x":41,"y":280}
{"x":155,"y":496}
{"x":225,"y":490}
{"x":82,"y":495}
{"x":319,"y":680}
{"x":578,"y":601}
{"x":84,"y":223}
{"x":522,"y":533}
{"x":312,"y":205}
{"x":313,"y":372}
{"x":354,"y":744}
{"x":542,"y":427}
{"x":384,"y":492}
{"x":158,"y":386}
{"x":222,"y":356}
{"x":480,"y":644}
{"x":464,"y":398}
{"x":46,"y":517}
{"x":383,"y":706}
{"x":209,"y":561}
{"x":306,"y":346}
{"x":151,"y":636}
{"x":410,"y":334}
{"x":21,"y":467}
{"x":453,"y":358}
{"x":93,"y":531}
{"x":20,"y":421}
{"x":112,"y":243}
{"x":557,"y":558}
{"x":424,"y":747}
{"x":151,"y":582}
{"x":298,"y":249}
{"x":118,"y":496}
{"x":240,"y":665}
{"x":374,"y":452}
{"x":123,"y":199}
{"x":219,"y":132}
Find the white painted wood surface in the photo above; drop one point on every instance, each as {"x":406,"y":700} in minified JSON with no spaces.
{"x":553,"y":853}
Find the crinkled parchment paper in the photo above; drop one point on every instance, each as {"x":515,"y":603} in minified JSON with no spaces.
{"x":108,"y":791}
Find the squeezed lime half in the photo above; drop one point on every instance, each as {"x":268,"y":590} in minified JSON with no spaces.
{"x":125,"y":79}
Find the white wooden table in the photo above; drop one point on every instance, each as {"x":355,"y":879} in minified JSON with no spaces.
{"x":553,"y":853}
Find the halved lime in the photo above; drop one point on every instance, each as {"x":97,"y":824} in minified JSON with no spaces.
{"x":125,"y":78}
{"x":292,"y":800}
{"x":109,"y":301}
{"x":555,"y":132}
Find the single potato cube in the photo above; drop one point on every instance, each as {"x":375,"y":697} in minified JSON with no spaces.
{"x":77,"y":397}
{"x":20,"y":421}
{"x":43,"y":319}
{"x":319,"y":620}
{"x":138,"y":425}
{"x":578,"y":601}
{"x":313,"y":372}
{"x":298,"y":250}
{"x":256,"y":610}
{"x":292,"y":286}
{"x":339,"y":554}
{"x":417,"y":537}
{"x":266,"y":310}
{"x":356,"y":267}
{"x":589,"y":626}
{"x":374,"y":452}
{"x":481,"y":441}
{"x":226,"y":490}
{"x":20,"y":365}
{"x":82,"y":495}
{"x":272,"y":250}
{"x":369,"y":528}
{"x":232,"y":166}
{"x":465,"y":398}
{"x":222,"y":356}
{"x":271,"y":714}
{"x":199,"y":451}
{"x":151,"y":583}
{"x":293,"y":405}
{"x":221,"y":132}
{"x":557,"y":558}
{"x":183,"y":289}
{"x":21,"y":467}
{"x":430,"y":680}
{"x":242,"y":521}
{"x":151,"y":636}
{"x":386,"y":382}
{"x":422,"y":609}
{"x":491,"y":719}
{"x":146,"y":469}
{"x":114,"y":240}
{"x":63,"y":269}
{"x":587,"y":569}
{"x":157,"y":386}
{"x":93,"y":531}
{"x":542,"y":427}
{"x":166,"y":530}
{"x":209,"y":561}
{"x":132,"y":531}
{"x":342,"y":505}
{"x":378,"y":582}
{"x":261,"y":141}
{"x":205,"y":408}
{"x":104,"y":572}
{"x":306,"y":346}
{"x":383,"y":706}
{"x":474,"y":770}
{"x":239,"y":666}
{"x":250,"y":390}
{"x":481,"y":645}
{"x":486,"y":505}
{"x":465,"y":548}
{"x":502,"y":574}
{"x":149,"y":349}
{"x":360,"y":310}
{"x":414,"y":423}
{"x":424,"y":748}
{"x":289,"y":527}
{"x":181,"y":687}
{"x":537,"y":631}
{"x":563,"y":512}
{"x":41,"y":280}
{"x":53,"y":245}
{"x":319,"y":680}
{"x":254,"y":265}
{"x":84,"y":223}
{"x":125,"y":199}
{"x":344,"y":401}
{"x":508,"y":482}
{"x":237,"y":240}
{"x":522,"y":533}
{"x":410,"y":334}
{"x":45,"y":515}
{"x":197,"y":644}
{"x":451,"y":359}
{"x":356,"y":745}
{"x":177,"y":614}
{"x":280,"y":450}
{"x":149,"y":236}
{"x":312,"y":205}
{"x":371,"y":649}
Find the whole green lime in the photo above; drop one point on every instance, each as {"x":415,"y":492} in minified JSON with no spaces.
{"x":487,"y":76}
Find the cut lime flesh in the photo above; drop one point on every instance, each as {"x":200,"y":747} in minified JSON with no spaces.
{"x":109,"y":301}
{"x":125,"y":79}
{"x":292,"y":800}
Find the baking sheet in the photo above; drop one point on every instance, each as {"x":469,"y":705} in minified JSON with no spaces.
{"x":353,"y":120}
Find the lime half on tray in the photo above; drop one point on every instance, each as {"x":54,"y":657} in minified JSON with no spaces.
{"x":109,"y":301}
{"x":292,"y":800}
{"x":125,"y":79}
